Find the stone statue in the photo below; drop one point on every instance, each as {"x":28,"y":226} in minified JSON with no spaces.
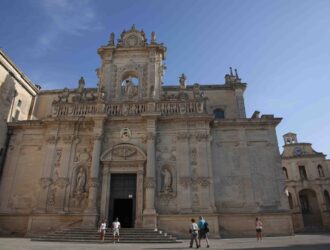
{"x":153,"y":37}
{"x":112,"y":39}
{"x":81,"y":85}
{"x":167,"y":180}
{"x":129,"y":89}
{"x":182,"y":80}
{"x":81,"y":181}
{"x":198,"y":94}
{"x":64,"y":97}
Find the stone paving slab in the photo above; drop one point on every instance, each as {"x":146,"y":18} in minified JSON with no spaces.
{"x":301,"y":242}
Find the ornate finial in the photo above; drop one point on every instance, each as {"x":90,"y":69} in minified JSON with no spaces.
{"x":112,"y":39}
{"x":231,"y":71}
{"x":182,"y":80}
{"x":153,"y":37}
{"x":133,"y":27}
{"x":236,"y":74}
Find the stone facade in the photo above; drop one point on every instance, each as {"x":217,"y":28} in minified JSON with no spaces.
{"x":169,"y":153}
{"x":307,"y":174}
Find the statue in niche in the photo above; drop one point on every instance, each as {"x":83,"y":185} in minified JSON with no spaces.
{"x":167,"y":180}
{"x":81,"y":181}
{"x":130,"y":89}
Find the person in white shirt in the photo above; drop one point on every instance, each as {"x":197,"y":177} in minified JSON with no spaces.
{"x":102,"y":229}
{"x":194,"y":233}
{"x":115,"y":229}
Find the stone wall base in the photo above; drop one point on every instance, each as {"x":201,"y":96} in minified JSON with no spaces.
{"x":221,"y":225}
{"x":229,"y":225}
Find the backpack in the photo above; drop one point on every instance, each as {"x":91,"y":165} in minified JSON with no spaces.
{"x":206,"y":227}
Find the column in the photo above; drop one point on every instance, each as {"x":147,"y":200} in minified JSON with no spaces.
{"x":149,"y":213}
{"x":183,"y":161}
{"x":46,"y":179}
{"x":105,"y":194}
{"x":91,"y":213}
{"x":139,"y":196}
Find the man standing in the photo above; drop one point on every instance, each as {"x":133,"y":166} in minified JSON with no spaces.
{"x":203,"y":231}
{"x":115,"y":229}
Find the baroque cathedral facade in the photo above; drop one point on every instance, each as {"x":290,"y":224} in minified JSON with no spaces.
{"x":153,"y":155}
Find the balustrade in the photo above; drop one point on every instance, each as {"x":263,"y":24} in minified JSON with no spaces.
{"x":165,"y":108}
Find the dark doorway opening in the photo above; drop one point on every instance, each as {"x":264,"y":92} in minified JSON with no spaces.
{"x":123,"y":209}
{"x":122,"y":199}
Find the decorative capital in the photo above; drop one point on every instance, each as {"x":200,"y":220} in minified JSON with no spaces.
{"x":45,"y":182}
{"x":202,"y":136}
{"x":185,"y":181}
{"x":182,"y":136}
{"x":97,"y":137}
{"x":93,"y":182}
{"x":53,"y":139}
{"x":149,"y":182}
{"x":62,"y":182}
{"x":151,"y":136}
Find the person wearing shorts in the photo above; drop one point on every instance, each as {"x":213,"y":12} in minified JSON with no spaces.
{"x":115,"y":230}
{"x":259,"y":229}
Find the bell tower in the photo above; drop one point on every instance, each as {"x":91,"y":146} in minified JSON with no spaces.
{"x":132,"y":69}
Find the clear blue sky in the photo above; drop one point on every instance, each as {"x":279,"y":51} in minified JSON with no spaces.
{"x":280,"y":47}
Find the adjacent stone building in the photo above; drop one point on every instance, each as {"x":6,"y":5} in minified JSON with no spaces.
{"x":153,"y":155}
{"x":307,"y":174}
{"x":17,"y":97}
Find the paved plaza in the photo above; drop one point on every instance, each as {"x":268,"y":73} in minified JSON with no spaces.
{"x":301,"y":242}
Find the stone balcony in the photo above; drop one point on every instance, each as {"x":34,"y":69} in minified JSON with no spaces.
{"x":116,"y":109}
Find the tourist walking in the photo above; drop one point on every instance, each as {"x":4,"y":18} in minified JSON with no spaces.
{"x":203,"y":231}
{"x":259,"y":229}
{"x":193,"y":233}
{"x":115,"y":230}
{"x":102,"y":229}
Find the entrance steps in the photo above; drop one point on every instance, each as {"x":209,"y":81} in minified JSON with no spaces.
{"x":91,"y":235}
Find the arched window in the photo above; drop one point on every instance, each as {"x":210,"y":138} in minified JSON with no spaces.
{"x":320,"y":170}
{"x":327,"y":199}
{"x":219,"y":114}
{"x":285,"y":172}
{"x":302,"y":172}
{"x":290,"y":201}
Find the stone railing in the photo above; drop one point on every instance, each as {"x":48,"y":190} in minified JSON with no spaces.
{"x":165,"y":108}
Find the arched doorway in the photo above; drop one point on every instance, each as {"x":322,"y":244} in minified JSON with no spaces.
{"x":310,"y":209}
{"x":122,"y":184}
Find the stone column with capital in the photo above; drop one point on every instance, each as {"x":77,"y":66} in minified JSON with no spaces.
{"x":91,"y":213}
{"x":46,"y":179}
{"x":149,"y":213}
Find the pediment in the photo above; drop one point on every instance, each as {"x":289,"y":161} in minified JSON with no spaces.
{"x":123,"y":152}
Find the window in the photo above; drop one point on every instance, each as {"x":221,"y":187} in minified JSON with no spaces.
{"x":320,"y":170}
{"x":305,"y":208}
{"x":19,"y":103}
{"x":290,"y":201}
{"x":302,"y":172}
{"x":285,"y":172}
{"x":219,"y":114}
{"x":327,"y":199}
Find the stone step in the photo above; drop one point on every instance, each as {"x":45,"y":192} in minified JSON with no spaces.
{"x":127,"y":235}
